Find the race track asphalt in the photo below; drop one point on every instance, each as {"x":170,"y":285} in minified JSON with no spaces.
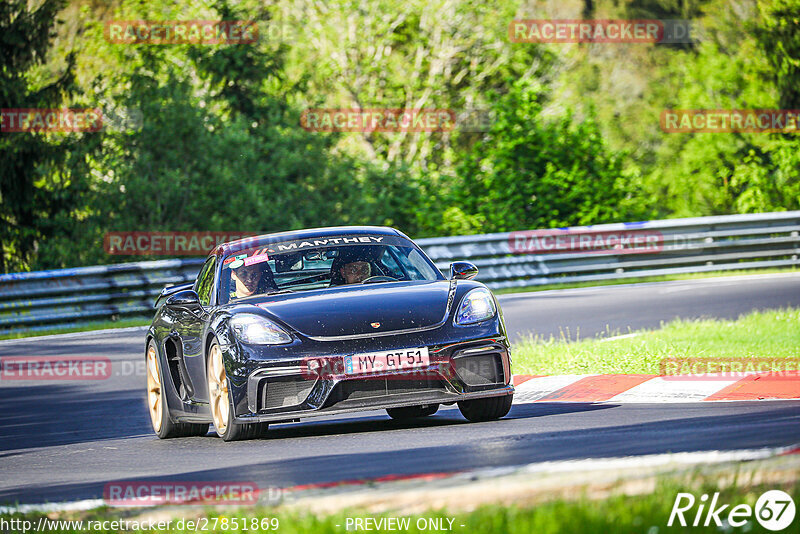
{"x":62,"y":441}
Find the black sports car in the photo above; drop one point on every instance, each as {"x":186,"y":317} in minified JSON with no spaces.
{"x":314,"y":322}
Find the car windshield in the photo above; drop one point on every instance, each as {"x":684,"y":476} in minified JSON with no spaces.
{"x":321,"y":263}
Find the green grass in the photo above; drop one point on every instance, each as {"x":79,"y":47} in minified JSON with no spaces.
{"x":769,"y":334}
{"x":645,"y":279}
{"x":99,"y":325}
{"x":616,"y":514}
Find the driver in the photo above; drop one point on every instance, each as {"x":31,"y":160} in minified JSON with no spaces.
{"x":356,"y":271}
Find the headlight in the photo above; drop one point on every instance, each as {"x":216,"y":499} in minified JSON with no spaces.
{"x":250,"y":328}
{"x":476,"y":306}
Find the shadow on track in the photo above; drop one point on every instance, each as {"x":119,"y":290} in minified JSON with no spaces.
{"x":504,"y":443}
{"x":51,"y":415}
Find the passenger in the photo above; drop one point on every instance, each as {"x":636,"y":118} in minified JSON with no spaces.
{"x":251,"y":280}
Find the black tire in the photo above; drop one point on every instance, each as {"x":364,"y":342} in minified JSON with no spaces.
{"x":412,"y":412}
{"x":232,"y":431}
{"x":241,"y":432}
{"x":486,"y":409}
{"x":165,"y":427}
{"x":188,"y":430}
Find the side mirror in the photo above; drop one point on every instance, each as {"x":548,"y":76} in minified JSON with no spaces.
{"x":463,"y":270}
{"x":183,"y":299}
{"x":171,"y":290}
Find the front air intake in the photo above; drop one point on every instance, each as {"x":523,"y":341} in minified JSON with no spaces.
{"x":480,"y":370}
{"x":285,"y":391}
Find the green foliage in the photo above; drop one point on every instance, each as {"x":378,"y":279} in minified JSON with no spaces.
{"x":220,"y":145}
{"x":742,"y":58}
{"x":439,"y":54}
{"x":779,"y":36}
{"x":531,"y":172}
{"x":41,"y":176}
{"x":227,"y":153}
{"x":720,"y":173}
{"x":456,"y":222}
{"x":594,"y":507}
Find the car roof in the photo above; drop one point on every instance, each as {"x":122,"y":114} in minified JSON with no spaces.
{"x":310,"y":233}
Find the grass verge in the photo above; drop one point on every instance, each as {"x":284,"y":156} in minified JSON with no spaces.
{"x":619,"y":513}
{"x":768,"y":334}
{"x":88,"y":327}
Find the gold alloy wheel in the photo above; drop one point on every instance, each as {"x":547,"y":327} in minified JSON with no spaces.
{"x":218,"y":390}
{"x":154,"y":389}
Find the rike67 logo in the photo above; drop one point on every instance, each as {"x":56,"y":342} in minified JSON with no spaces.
{"x":774,"y":510}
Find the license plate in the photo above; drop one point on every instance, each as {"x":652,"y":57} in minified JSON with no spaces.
{"x":376,"y":362}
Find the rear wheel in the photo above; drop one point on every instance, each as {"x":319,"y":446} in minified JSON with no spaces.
{"x":220,"y":402}
{"x":412,"y":412}
{"x":486,"y":409}
{"x":163,"y":426}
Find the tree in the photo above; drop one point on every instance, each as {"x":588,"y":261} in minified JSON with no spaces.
{"x":699,"y":174}
{"x":533,"y":173}
{"x":417,"y":54}
{"x":779,"y":36}
{"x":41,"y":178}
{"x":221,"y":148}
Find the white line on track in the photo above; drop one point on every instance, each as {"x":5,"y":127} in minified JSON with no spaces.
{"x":672,"y":389}
{"x":631,"y":462}
{"x":71,"y":335}
{"x":560,"y":466}
{"x":536,"y":388}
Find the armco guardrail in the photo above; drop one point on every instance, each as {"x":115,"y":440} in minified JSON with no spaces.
{"x":46,"y":299}
{"x":70,"y":297}
{"x":727,"y":242}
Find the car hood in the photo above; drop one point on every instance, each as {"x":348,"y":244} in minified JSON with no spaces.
{"x":357,"y":309}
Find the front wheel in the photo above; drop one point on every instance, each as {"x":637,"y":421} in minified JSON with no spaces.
{"x":486,"y":409}
{"x":163,"y":426}
{"x":220,"y":401}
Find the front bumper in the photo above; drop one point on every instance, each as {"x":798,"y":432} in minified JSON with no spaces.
{"x":282,"y":390}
